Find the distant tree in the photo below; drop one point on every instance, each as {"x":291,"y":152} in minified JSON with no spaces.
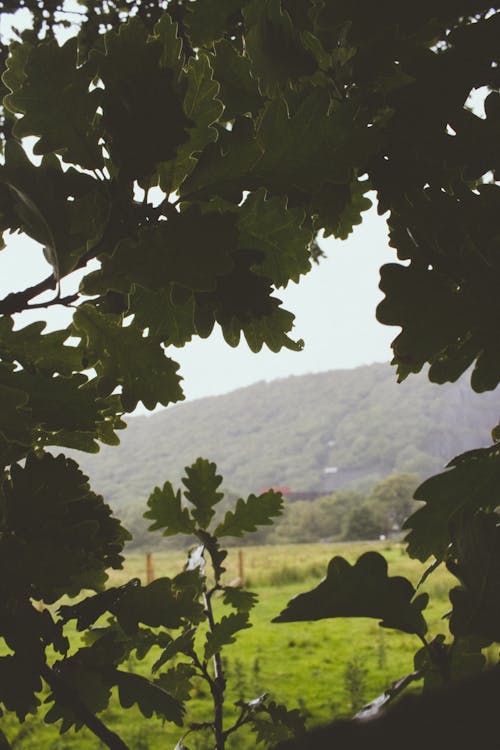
{"x":365,"y":522}
{"x":395,"y":496}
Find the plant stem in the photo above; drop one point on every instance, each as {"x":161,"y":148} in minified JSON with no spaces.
{"x":65,"y":695}
{"x":217,"y":685}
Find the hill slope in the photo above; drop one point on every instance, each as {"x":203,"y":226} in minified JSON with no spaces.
{"x":296,"y":431}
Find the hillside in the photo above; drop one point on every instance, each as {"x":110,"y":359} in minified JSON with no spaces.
{"x":312,"y":433}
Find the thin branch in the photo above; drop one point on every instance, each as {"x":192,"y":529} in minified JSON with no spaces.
{"x":218,"y":684}
{"x":65,"y":301}
{"x":66,"y":695}
{"x":18,"y":301}
{"x":240,"y":721}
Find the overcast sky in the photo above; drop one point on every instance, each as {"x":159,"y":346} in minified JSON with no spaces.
{"x":334,"y":307}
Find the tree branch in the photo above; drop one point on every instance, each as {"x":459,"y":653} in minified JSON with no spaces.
{"x":18,"y":301}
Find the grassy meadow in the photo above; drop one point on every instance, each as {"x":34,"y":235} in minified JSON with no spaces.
{"x":326,"y":668}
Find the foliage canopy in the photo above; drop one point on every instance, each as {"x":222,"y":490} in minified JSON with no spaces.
{"x":195,"y":150}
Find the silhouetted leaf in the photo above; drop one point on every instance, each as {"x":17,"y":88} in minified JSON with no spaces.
{"x":167,"y":512}
{"x":472,"y":481}
{"x":203,"y":109}
{"x":240,"y":599}
{"x":274,"y":45}
{"x":475,"y":560}
{"x":36,"y":351}
{"x":224,"y":632}
{"x":239,"y":91}
{"x":251,"y":513}
{"x":183,"y":644}
{"x":149,"y":697}
{"x":162,"y":603}
{"x":52,"y":93}
{"x":122,"y":356}
{"x":192,"y":249}
{"x":274,"y":229}
{"x":280,"y":725}
{"x":143,"y":119}
{"x":201,"y":482}
{"x":19,"y":683}
{"x":361,"y":590}
{"x":87,"y":611}
{"x":177,"y":681}
{"x":64,"y":535}
{"x":207,"y":20}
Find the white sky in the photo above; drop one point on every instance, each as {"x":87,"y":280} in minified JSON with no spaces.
{"x":334,"y":307}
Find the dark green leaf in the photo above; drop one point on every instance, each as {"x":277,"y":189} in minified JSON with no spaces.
{"x":281,"y":724}
{"x":292,"y":158}
{"x":274,"y":45}
{"x":271,"y":227}
{"x":251,"y":513}
{"x":203,"y":109}
{"x":163,"y":603}
{"x":149,"y":697}
{"x":19,"y":683}
{"x":177,"y":681}
{"x":472,"y":481}
{"x":64,"y":211}
{"x":183,"y":644}
{"x":53,"y":96}
{"x":16,"y":425}
{"x":34,"y":351}
{"x":207,"y":20}
{"x":64,"y":535}
{"x":122,"y":356}
{"x":475,"y":561}
{"x":223,"y":168}
{"x":90,"y":609}
{"x":201,"y":482}
{"x":143,"y":118}
{"x":191,"y":249}
{"x":224,"y":632}
{"x":91,"y":683}
{"x":167,"y":512}
{"x":361,"y":590}
{"x":171,"y":323}
{"x":239,"y":91}
{"x":241,"y":600}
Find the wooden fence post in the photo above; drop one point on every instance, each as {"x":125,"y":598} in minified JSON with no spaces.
{"x":150,"y":570}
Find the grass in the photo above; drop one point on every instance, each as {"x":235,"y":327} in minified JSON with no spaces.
{"x":322,"y":667}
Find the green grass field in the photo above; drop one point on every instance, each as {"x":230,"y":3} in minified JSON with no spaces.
{"x":301,"y":664}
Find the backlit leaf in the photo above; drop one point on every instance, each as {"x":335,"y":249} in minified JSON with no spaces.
{"x":122,"y":356}
{"x":224,"y":632}
{"x":201,"y":482}
{"x":53,"y":96}
{"x":272,"y":228}
{"x":167,"y":512}
{"x":251,"y":513}
{"x":149,"y":697}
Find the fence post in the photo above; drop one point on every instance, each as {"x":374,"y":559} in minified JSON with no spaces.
{"x":150,"y":570}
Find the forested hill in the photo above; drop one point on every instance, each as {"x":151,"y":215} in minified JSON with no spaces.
{"x":295,"y":431}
